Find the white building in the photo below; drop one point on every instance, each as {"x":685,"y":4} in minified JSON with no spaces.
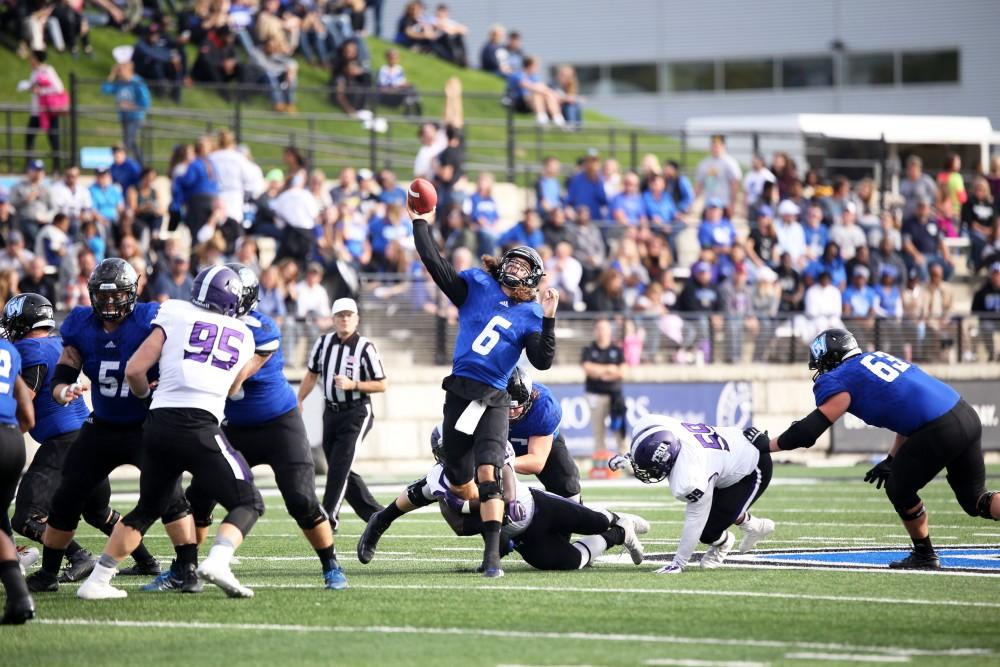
{"x":660,"y":62}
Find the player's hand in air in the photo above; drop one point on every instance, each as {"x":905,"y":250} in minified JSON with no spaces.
{"x":618,"y":462}
{"x":429,"y":216}
{"x":759,"y":439}
{"x":879,"y":475}
{"x":550,"y":302}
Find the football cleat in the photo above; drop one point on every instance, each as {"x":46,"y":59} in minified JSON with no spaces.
{"x":715,"y":556}
{"x":26,"y":557}
{"x":631,"y":544}
{"x":96,"y":590}
{"x":218,"y":573}
{"x":78,"y":567}
{"x":335,"y":579}
{"x":42,"y":582}
{"x":917,"y":561}
{"x":17,"y":611}
{"x":641,"y":525}
{"x":492,"y":572}
{"x":149,"y":568}
{"x":754,"y":530}
{"x":369,"y":539}
{"x":176,"y":578}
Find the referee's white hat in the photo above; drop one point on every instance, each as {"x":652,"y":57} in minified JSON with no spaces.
{"x":341,"y":305}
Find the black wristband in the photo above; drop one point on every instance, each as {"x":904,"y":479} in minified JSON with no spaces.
{"x":65,"y":374}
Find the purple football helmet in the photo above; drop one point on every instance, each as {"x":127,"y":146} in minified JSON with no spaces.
{"x":653,"y":454}
{"x":218,"y":288}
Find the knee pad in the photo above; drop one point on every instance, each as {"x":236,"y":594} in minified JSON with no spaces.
{"x":139,"y":520}
{"x":102,"y":519}
{"x":243,"y":517}
{"x":907,"y":515}
{"x":305,"y":510}
{"x":902,"y":499}
{"x":415,"y":493}
{"x":177,"y":510}
{"x":31,"y":526}
{"x":490,"y":490}
{"x":203,"y":521}
{"x":983,"y":506}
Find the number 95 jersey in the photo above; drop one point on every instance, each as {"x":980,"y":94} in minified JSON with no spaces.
{"x":104,"y":357}
{"x":491,"y":331}
{"x":201,"y":357}
{"x":887,"y":392}
{"x":709,"y":455}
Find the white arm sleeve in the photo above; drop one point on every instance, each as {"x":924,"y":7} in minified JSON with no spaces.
{"x":695,"y":518}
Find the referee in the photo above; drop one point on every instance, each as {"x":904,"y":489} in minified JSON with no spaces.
{"x":351,"y":369}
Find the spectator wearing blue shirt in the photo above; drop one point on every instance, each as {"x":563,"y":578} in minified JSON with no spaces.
{"x":548,"y":188}
{"x":860,"y":300}
{"x":482,"y":210}
{"x":527,"y":232}
{"x":392,"y":192}
{"x":715,"y":231}
{"x":493,"y":57}
{"x":271,"y":300}
{"x":830,"y":263}
{"x":817,"y":234}
{"x":393,"y":227}
{"x":109,"y":202}
{"x":198,"y":187}
{"x":175,"y":283}
{"x":678,"y":186}
{"x":125,"y":171}
{"x":132,"y":99}
{"x":889,"y":300}
{"x":661,"y":210}
{"x":628,"y":208}
{"x":586,"y":188}
{"x":530,"y":95}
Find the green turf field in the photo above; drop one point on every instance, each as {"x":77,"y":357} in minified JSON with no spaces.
{"x":419,"y":602}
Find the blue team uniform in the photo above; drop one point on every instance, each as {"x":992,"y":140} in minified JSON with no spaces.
{"x":104,"y":357}
{"x":266,"y":394}
{"x":10,"y":368}
{"x":542,"y":419}
{"x":887,"y":392}
{"x":51,"y":419}
{"x":491,"y":332}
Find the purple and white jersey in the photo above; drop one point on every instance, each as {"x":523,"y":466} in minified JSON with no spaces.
{"x":202,"y":355}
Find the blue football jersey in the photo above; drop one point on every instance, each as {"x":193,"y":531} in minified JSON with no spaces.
{"x":105,"y":355}
{"x":543,"y":418}
{"x":887,"y":392}
{"x":51,"y":419}
{"x":10,"y":368}
{"x":266,"y":394}
{"x":491,"y":331}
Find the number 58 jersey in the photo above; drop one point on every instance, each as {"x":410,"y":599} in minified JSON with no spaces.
{"x":201,"y":357}
{"x":719,"y":456}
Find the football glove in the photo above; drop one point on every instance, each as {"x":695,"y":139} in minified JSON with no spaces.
{"x":670,"y":569}
{"x":516,"y":511}
{"x":879,"y":474}
{"x":759,"y":439}
{"x":454,"y":502}
{"x":618,"y":462}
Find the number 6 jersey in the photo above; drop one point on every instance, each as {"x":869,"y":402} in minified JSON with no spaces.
{"x":203,"y":354}
{"x":104,"y":357}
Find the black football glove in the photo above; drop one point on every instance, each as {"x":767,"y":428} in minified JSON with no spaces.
{"x":880,"y":473}
{"x":759,"y":439}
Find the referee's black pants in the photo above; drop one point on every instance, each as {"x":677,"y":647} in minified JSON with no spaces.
{"x":343,"y":432}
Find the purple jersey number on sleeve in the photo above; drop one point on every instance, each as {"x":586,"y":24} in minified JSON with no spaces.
{"x":707,"y":436}
{"x":204,"y":336}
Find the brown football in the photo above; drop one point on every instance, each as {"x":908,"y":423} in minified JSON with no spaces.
{"x":421,"y":196}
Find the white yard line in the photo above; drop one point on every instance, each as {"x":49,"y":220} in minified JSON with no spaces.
{"x":846,"y":657}
{"x":511,"y":634}
{"x":681,"y":662}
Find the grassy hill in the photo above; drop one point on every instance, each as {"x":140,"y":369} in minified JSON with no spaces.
{"x":330,"y":137}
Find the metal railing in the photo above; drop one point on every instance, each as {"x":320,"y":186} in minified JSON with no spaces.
{"x":512,"y":145}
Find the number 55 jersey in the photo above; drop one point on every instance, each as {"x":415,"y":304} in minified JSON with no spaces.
{"x":104,"y":356}
{"x":719,"y":456}
{"x":202,"y":355}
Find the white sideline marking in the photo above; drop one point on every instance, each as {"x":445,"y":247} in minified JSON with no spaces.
{"x":706,"y":663}
{"x":626,"y":591}
{"x":847,"y":657}
{"x":944,"y":572}
{"x":513,"y":634}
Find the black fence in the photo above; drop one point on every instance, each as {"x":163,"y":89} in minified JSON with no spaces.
{"x":512,"y":145}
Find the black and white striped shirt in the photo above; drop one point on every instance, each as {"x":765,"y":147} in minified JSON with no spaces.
{"x":355,"y":358}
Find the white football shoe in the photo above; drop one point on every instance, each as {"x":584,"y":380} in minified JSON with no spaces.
{"x":218,"y":573}
{"x":91,"y":589}
{"x":754,"y":530}
{"x":26,"y":557}
{"x":715,"y":556}
{"x":632,"y":544}
{"x":641,"y":525}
